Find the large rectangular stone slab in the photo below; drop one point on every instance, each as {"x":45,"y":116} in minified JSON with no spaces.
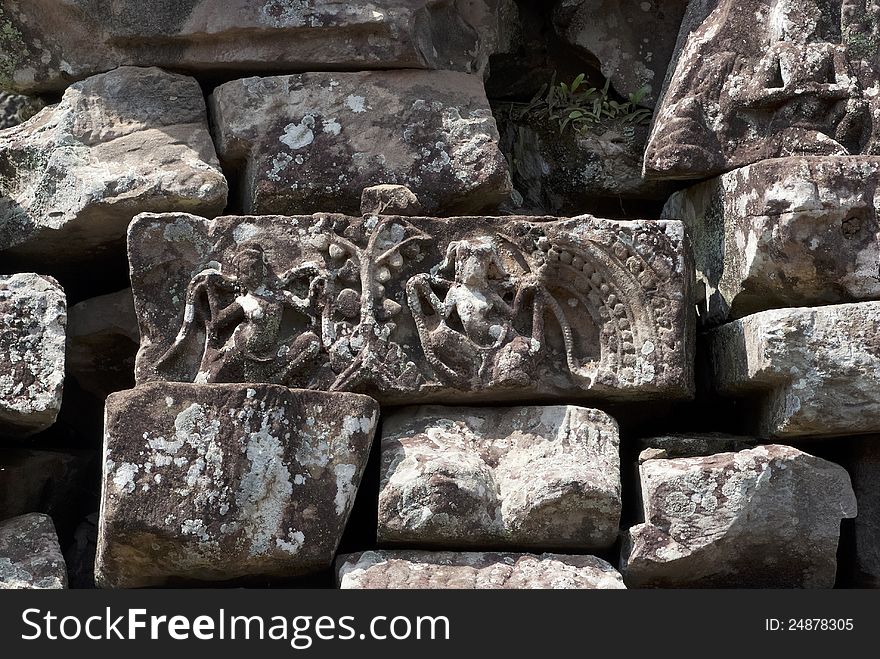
{"x":118,"y":144}
{"x":417,"y":309}
{"x":787,"y":232}
{"x":33,"y":319}
{"x":811,"y":372}
{"x":767,"y":517}
{"x":312,"y":142}
{"x":218,"y":482}
{"x":48,"y":43}
{"x":473,"y":571}
{"x":519,"y":477}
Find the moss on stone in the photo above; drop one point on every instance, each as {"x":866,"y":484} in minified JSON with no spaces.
{"x":12,"y":50}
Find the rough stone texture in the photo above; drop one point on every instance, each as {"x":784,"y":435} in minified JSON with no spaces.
{"x":390,"y":200}
{"x":312,"y":142}
{"x":15,"y":108}
{"x":50,"y":482}
{"x":864,"y":467}
{"x":30,"y":557}
{"x":218,"y":482}
{"x":492,"y":477}
{"x":33,"y":315}
{"x":117,"y":144}
{"x":560,"y":174}
{"x":787,"y":232}
{"x":632,"y":41}
{"x":47,"y":43}
{"x":757,"y":79}
{"x":813,"y":371}
{"x":763,"y":517}
{"x":417,"y":309}
{"x":102,"y":341}
{"x":472,"y":571}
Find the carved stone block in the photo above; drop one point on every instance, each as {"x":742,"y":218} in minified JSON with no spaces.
{"x":810,"y":371}
{"x":767,"y":517}
{"x":473,"y":571}
{"x":788,"y":232}
{"x":417,"y":309}
{"x":218,"y":482}
{"x":753,"y":79}
{"x":33,"y":318}
{"x":495,"y":477}
{"x":312,"y":142}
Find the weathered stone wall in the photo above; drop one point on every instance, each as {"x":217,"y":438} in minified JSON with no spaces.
{"x":596,"y":284}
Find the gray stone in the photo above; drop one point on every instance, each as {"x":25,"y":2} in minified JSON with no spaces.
{"x":764,"y":517}
{"x":417,"y":309}
{"x":390,"y":200}
{"x":16,"y":108}
{"x":500,"y":477}
{"x":117,"y":144}
{"x":312,"y":142}
{"x":219,"y":482}
{"x":30,"y":557}
{"x":102,"y":342}
{"x":788,"y":232}
{"x":632,"y":41}
{"x":473,"y":571}
{"x":47,"y":44}
{"x":33,"y":316}
{"x":757,"y":79}
{"x":812,"y":371}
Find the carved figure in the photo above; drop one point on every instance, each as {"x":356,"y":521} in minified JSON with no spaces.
{"x":239,"y":318}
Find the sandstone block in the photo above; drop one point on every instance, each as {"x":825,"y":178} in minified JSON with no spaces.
{"x":312,"y":142}
{"x":812,"y":371}
{"x":473,"y":571}
{"x":33,"y":316}
{"x":117,"y":144}
{"x":519,"y":477}
{"x":767,"y":517}
{"x":219,"y":482}
{"x":47,"y":43}
{"x":787,"y":232}
{"x":417,"y":309}
{"x":30,"y":557}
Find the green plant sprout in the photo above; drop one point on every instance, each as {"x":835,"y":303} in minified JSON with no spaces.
{"x":582,"y":107}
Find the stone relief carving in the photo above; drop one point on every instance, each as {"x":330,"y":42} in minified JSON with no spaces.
{"x":758,"y":79}
{"x":396,"y":307}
